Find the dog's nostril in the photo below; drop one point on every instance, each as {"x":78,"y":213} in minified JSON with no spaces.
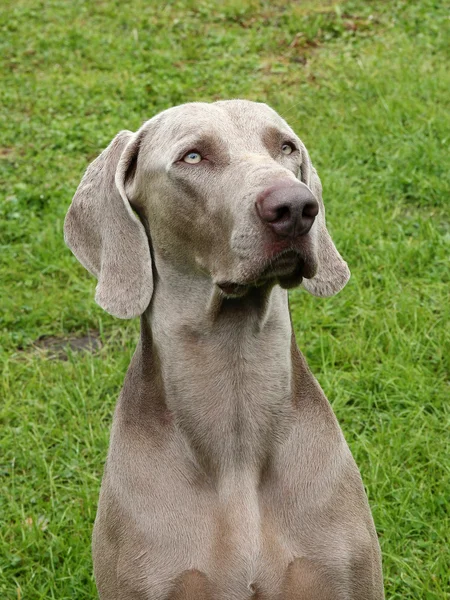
{"x":282,"y":213}
{"x":311,"y":209}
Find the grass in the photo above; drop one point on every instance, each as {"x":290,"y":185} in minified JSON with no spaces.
{"x":365,"y":84}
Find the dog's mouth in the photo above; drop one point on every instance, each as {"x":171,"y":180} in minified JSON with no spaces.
{"x":232,"y":289}
{"x":287,"y":268}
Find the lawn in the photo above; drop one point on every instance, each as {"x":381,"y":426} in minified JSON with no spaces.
{"x":365,"y":84}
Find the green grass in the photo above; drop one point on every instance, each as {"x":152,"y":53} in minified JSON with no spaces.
{"x":365,"y":84}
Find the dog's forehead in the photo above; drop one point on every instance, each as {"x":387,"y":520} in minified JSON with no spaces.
{"x":221,"y":118}
{"x":244,"y":112}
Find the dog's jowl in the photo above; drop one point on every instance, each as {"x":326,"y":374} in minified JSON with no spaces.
{"x":228,"y":477}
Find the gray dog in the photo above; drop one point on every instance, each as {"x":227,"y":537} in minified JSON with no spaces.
{"x":228,"y":477}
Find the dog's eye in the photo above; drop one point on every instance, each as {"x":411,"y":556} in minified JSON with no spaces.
{"x":192,"y":158}
{"x":288,"y":148}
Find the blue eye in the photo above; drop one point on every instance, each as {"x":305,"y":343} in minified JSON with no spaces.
{"x":192,"y":158}
{"x":288,"y":148}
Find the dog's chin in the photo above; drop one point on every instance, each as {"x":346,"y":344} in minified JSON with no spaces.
{"x":287,"y":269}
{"x":287,"y":282}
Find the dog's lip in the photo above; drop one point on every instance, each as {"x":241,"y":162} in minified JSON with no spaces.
{"x":286,"y":260}
{"x":287,"y":263}
{"x":284,"y":263}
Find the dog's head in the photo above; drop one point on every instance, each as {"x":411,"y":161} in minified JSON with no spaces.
{"x":224,"y":190}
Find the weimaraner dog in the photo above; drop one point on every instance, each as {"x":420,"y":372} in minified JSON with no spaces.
{"x":228,"y":477}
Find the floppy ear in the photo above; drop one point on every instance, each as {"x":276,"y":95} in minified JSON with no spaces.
{"x":106,"y":236}
{"x":332,"y":272}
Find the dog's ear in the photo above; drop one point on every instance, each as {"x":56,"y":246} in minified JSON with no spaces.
{"x":106,"y":236}
{"x":332,"y":272}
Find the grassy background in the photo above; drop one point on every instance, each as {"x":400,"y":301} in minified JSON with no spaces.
{"x":365,"y":84}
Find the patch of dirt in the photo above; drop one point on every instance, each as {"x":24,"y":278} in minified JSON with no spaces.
{"x":6,"y":152}
{"x":58,"y":347}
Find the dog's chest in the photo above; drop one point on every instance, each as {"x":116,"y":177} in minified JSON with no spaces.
{"x":240,"y":534}
{"x":226,"y":538}
{"x":233,"y":535}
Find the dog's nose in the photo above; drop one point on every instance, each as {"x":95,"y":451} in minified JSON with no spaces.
{"x":289,"y":209}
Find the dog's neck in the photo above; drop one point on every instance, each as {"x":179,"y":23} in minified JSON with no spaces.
{"x":226,"y":367}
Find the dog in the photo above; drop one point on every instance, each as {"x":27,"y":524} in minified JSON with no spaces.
{"x":228,"y":477}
